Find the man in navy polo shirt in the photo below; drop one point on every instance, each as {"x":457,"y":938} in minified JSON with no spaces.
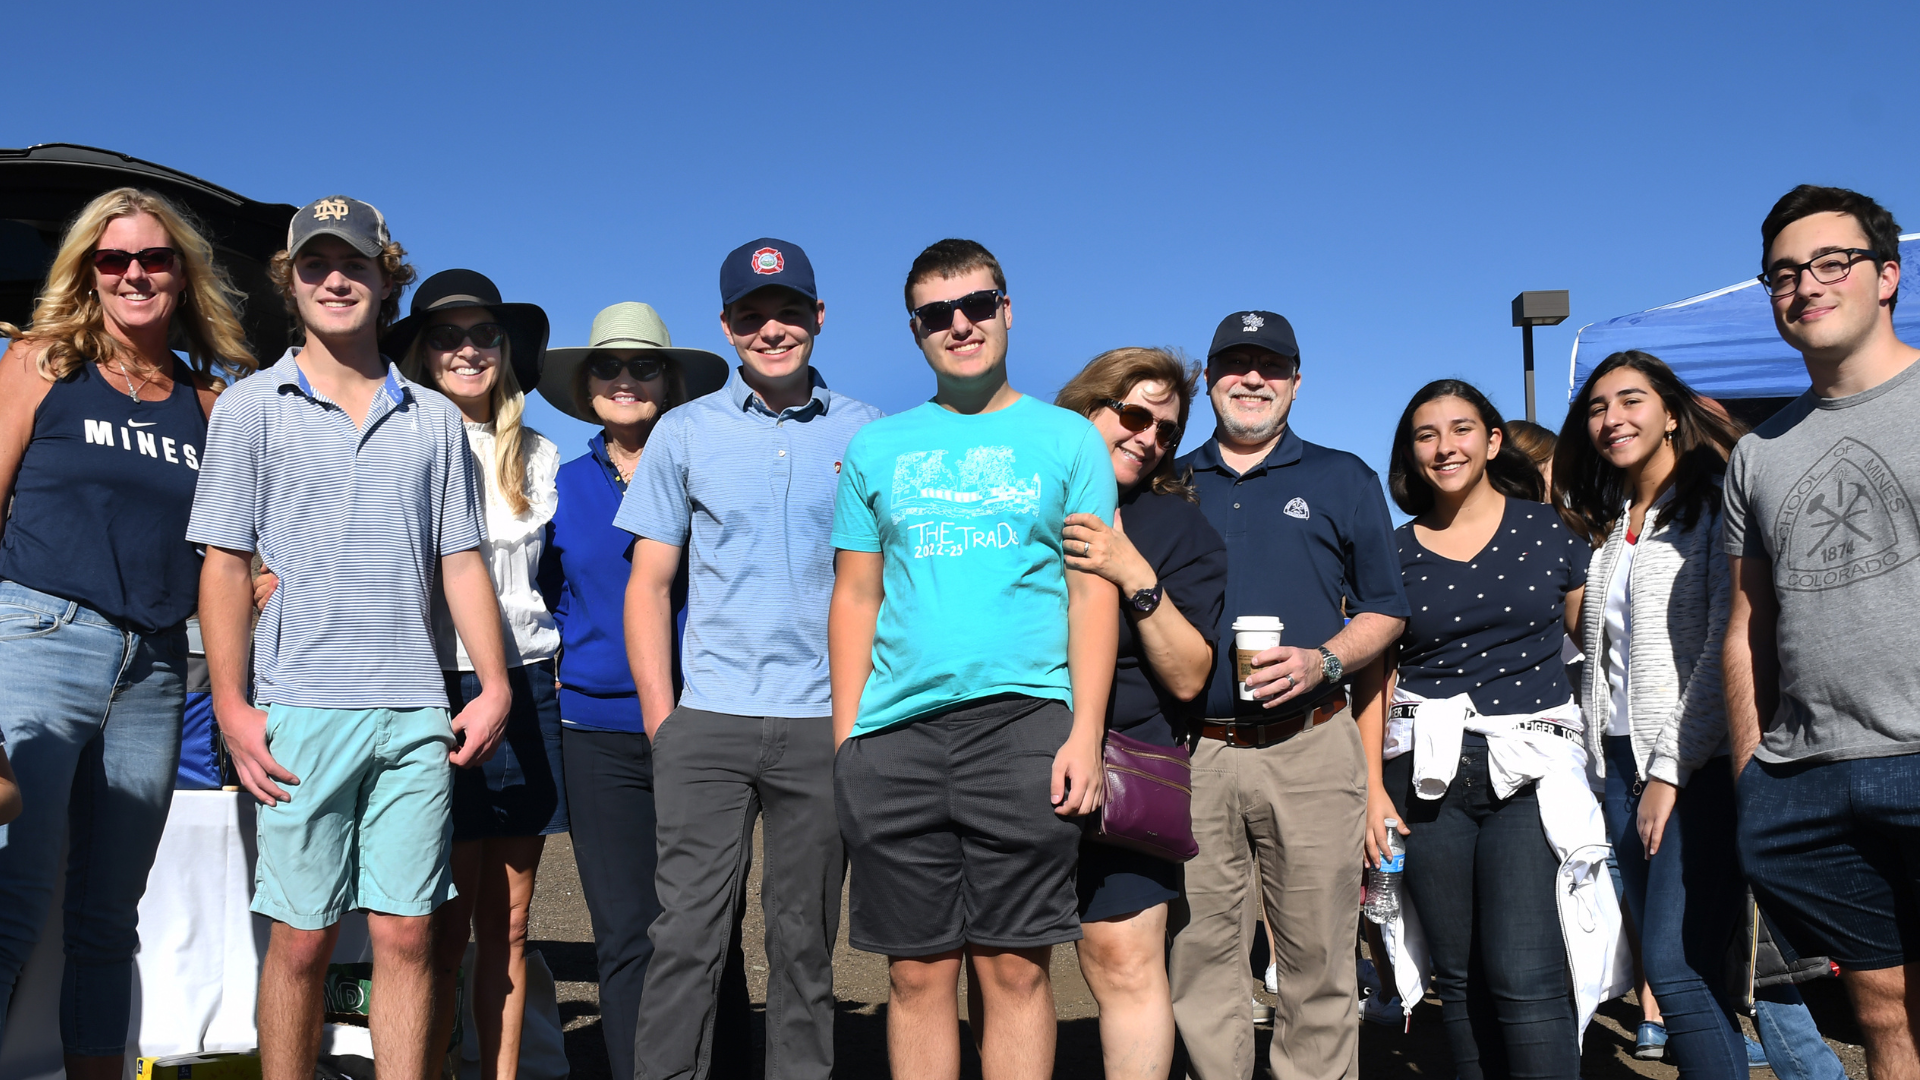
{"x":356,"y":487}
{"x":743,"y":482}
{"x":1308,"y":540}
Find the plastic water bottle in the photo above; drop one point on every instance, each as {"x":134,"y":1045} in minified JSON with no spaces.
{"x":1383,"y":881}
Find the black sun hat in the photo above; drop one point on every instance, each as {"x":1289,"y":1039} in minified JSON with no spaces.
{"x":449,"y":289}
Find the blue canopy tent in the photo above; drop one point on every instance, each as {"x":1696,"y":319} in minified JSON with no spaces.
{"x":1723,"y":343}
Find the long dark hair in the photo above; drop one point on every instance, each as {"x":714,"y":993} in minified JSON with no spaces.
{"x":1511,"y":472}
{"x":1591,"y":492}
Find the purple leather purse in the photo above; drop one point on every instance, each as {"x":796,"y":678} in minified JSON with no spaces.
{"x":1149,"y":805}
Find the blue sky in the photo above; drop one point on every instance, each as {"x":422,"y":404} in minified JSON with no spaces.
{"x":1386,"y":175}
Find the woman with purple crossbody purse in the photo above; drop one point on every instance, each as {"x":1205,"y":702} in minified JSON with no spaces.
{"x":1171,"y":569}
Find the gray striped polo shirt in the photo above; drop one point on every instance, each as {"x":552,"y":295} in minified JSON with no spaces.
{"x":749,"y":494}
{"x":353,"y":520}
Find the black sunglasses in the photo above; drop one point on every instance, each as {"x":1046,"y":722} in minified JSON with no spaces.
{"x":153,"y":260}
{"x":976,"y":306}
{"x":1136,"y":418}
{"x":642,"y":368}
{"x":447,"y":337}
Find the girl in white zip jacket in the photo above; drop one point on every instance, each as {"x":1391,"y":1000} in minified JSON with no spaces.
{"x":1482,"y":760}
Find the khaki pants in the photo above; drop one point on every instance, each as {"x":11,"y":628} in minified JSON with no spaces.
{"x":1301,"y":807}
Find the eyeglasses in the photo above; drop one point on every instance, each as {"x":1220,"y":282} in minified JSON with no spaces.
{"x":1136,"y":418}
{"x":642,"y":368}
{"x":154,"y":260}
{"x":1829,"y":268}
{"x":447,"y":337}
{"x":976,"y":306}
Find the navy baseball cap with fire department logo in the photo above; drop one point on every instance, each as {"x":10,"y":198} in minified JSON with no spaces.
{"x":757,"y":264}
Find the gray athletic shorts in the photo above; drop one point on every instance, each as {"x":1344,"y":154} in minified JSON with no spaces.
{"x":951,"y":834}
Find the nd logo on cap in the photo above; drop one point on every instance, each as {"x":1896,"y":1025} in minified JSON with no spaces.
{"x":768,"y":261}
{"x":330,"y":208}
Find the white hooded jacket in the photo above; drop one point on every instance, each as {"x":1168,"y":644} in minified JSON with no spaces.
{"x":1543,"y":749}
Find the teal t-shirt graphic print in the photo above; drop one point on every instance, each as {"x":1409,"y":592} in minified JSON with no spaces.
{"x":966,"y":512}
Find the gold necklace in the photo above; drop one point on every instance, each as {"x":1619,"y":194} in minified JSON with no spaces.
{"x":626,"y":474}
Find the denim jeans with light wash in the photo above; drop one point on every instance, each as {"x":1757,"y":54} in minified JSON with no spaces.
{"x":91,"y":715}
{"x":1795,"y":1050}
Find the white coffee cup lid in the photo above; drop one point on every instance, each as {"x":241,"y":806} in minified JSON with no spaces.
{"x":1257,"y":623}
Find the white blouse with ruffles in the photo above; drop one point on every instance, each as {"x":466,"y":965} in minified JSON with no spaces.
{"x":513,"y":546}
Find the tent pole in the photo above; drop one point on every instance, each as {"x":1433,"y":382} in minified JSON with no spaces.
{"x":1526,"y":337}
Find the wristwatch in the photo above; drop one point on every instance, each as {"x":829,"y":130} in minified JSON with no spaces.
{"x":1146,"y":600}
{"x":1330,"y":665}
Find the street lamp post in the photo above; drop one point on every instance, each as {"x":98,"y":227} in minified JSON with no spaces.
{"x":1546,"y":307}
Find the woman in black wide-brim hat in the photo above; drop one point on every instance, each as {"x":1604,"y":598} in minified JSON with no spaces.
{"x":485,"y":355}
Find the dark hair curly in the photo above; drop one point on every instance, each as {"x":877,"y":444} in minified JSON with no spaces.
{"x":1590,"y":491}
{"x":1512,"y":474}
{"x":1876,"y":221}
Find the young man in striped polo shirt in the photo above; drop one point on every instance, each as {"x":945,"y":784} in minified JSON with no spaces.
{"x":356,"y":487}
{"x":741,"y":481}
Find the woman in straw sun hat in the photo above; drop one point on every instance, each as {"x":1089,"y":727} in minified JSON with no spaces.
{"x":484,"y":354}
{"x":623,"y":380}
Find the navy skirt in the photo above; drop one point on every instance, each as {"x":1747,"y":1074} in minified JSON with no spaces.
{"x":520,"y":790}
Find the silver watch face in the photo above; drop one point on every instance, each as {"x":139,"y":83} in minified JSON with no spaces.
{"x":1330,"y":664}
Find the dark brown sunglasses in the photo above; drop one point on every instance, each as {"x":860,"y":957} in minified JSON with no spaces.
{"x":1136,"y":418}
{"x":153,"y":260}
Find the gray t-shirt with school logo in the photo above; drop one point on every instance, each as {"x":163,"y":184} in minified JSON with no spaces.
{"x":1825,"y":490}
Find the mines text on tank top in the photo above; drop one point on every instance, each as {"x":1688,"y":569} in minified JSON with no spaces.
{"x":102,"y":497}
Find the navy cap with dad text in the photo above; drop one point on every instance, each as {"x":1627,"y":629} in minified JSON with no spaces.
{"x":358,"y":223}
{"x":1259,"y":328}
{"x":757,"y":264}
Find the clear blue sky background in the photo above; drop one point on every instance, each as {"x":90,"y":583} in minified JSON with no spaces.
{"x":1386,"y":175}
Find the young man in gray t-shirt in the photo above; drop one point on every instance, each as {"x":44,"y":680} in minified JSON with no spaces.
{"x":1822,"y":652}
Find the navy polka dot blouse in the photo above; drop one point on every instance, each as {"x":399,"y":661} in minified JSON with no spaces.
{"x":1491,"y":627}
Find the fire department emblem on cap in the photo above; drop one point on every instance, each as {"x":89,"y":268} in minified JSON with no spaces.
{"x":768,"y":261}
{"x":1251,"y":322}
{"x":330,"y":208}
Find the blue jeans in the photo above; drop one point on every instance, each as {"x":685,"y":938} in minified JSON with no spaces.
{"x":1481,"y":877}
{"x":1685,"y":904}
{"x":1795,"y":1050}
{"x":91,"y":714}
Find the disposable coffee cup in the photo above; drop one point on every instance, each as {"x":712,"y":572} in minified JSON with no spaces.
{"x":1252,"y":635}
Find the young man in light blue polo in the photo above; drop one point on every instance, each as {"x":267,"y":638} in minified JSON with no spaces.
{"x":356,"y":487}
{"x":742,"y":482}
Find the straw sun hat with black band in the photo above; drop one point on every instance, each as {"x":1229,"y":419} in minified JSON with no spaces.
{"x":635,"y":326}
{"x":449,"y":289}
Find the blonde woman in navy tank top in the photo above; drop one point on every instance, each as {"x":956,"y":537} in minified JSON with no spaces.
{"x":101,"y":426}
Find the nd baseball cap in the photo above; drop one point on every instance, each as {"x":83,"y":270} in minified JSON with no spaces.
{"x":336,"y":215}
{"x":766,"y":261}
{"x":1262,"y":328}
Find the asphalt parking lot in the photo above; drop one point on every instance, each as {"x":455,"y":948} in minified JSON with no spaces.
{"x":563,"y":934}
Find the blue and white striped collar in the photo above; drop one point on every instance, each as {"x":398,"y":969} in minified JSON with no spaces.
{"x":743,"y":396}
{"x":287,"y":372}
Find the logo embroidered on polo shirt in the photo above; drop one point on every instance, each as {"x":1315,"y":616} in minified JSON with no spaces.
{"x":1249,"y":323}
{"x":768,"y":261}
{"x":330,"y":208}
{"x":836,"y":468}
{"x":1297,"y":508}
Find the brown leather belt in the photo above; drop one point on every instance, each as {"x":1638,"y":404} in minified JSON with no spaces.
{"x":1273,"y":731}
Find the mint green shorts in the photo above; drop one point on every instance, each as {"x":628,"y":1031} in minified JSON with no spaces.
{"x":370,"y":824}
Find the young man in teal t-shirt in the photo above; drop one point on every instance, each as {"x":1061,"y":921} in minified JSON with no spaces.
{"x":970,"y":674}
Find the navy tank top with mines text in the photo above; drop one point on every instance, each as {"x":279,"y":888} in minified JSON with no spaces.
{"x":101,"y":502}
